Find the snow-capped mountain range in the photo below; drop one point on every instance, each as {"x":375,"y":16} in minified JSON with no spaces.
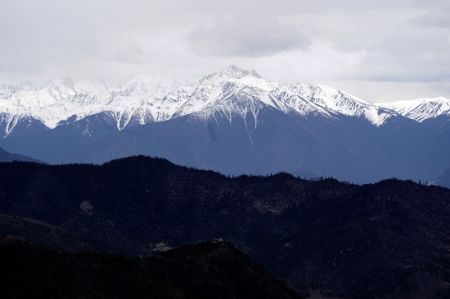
{"x":421,"y":109}
{"x":232,"y":121}
{"x":232,"y":91}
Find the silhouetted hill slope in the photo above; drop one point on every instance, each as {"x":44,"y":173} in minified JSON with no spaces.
{"x":7,"y":157}
{"x":384,"y":240}
{"x":207,"y":270}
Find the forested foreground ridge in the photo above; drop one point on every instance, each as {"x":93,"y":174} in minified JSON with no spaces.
{"x":385,"y":240}
{"x":201,"y":271}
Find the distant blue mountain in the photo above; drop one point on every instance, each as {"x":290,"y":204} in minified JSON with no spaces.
{"x":443,"y":179}
{"x":9,"y":157}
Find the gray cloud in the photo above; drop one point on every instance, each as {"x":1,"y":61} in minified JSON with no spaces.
{"x":246,"y":35}
{"x":379,"y":43}
{"x":434,"y":18}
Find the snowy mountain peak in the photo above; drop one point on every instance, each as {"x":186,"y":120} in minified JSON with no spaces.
{"x":231,"y":72}
{"x":90,"y":86}
{"x":145,"y":86}
{"x":420,"y":109}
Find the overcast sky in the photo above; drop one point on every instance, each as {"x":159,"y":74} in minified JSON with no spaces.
{"x":375,"y":49}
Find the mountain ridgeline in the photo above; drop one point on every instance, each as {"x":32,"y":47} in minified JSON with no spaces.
{"x":9,"y":157}
{"x":232,"y":121}
{"x":321,"y":237}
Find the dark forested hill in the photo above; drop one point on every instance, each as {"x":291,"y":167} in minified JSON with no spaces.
{"x":209,"y":270}
{"x":384,"y":240}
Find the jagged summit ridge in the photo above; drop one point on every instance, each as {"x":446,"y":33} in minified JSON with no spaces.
{"x":421,"y":109}
{"x":231,"y":72}
{"x":230,"y":92}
